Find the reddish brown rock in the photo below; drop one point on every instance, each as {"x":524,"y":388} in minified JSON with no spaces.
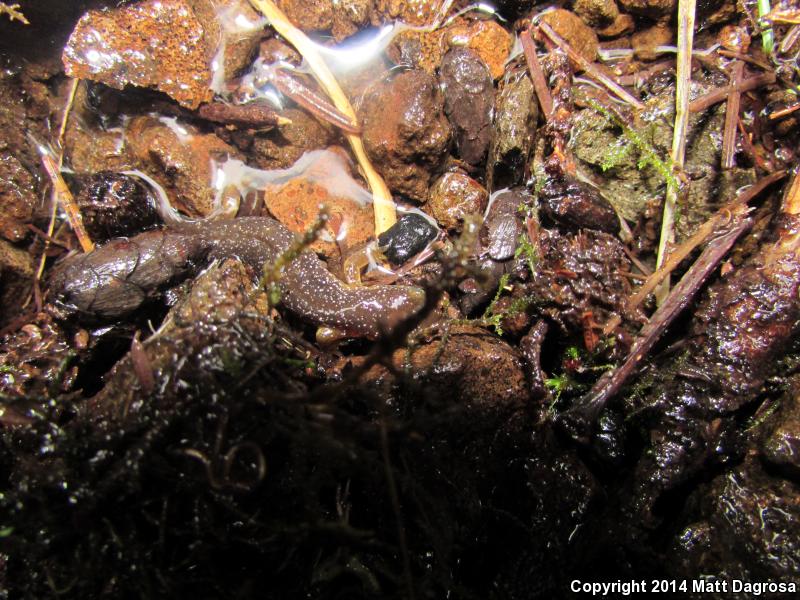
{"x":646,"y":41}
{"x":169,"y":45}
{"x":621,"y":25}
{"x":179,"y":158}
{"x":413,"y":12}
{"x":16,"y":277}
{"x":487,"y":38}
{"x":297,"y":203}
{"x":425,"y":49}
{"x":454,"y":196}
{"x":281,"y":148}
{"x":18,"y":197}
{"x":654,"y":9}
{"x":575,"y":32}
{"x":474,"y":366}
{"x":597,"y":13}
{"x":405,"y":131}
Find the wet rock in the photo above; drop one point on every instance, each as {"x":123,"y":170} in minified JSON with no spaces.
{"x":413,"y":12}
{"x":114,"y":205}
{"x":473,"y":367}
{"x":407,"y":238}
{"x":308,"y":15}
{"x":406,"y":132}
{"x":180,"y":159}
{"x":297,"y":203}
{"x":454,"y":196}
{"x":780,"y":447}
{"x":575,"y":32}
{"x":34,"y":361}
{"x":645,"y":41}
{"x":16,"y":275}
{"x":156,"y":43}
{"x":488,"y":39}
{"x":597,"y":13}
{"x":515,"y":120}
{"x":342,"y":18}
{"x":468,"y":102}
{"x":624,"y":23}
{"x":748,"y":529}
{"x":734,"y":38}
{"x":18,"y":197}
{"x":425,"y":49}
{"x":575,"y":204}
{"x":654,"y":9}
{"x":282,"y":147}
{"x":168,"y":45}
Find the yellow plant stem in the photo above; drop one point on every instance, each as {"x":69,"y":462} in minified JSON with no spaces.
{"x":384,"y":207}
{"x":686,"y":10}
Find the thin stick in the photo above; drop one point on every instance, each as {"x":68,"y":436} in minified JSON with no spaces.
{"x":537,"y":74}
{"x":703,"y":102}
{"x":686,"y":9}
{"x":731,"y":117}
{"x":590,"y":69}
{"x":385,"y":209}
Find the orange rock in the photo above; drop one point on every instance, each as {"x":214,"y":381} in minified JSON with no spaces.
{"x":425,"y":49}
{"x":645,"y":42}
{"x":487,"y":38}
{"x":168,"y":45}
{"x":296,"y":204}
{"x":575,"y":32}
{"x":180,"y":159}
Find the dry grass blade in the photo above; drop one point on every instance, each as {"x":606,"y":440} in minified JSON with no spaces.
{"x":385,"y":210}
{"x":589,"y":68}
{"x":67,"y":202}
{"x":731,"y":118}
{"x":686,"y":10}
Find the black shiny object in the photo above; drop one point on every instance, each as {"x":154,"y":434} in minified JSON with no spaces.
{"x":406,"y":238}
{"x":114,"y":205}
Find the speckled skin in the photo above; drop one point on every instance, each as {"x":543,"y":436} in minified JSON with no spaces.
{"x":118,"y":277}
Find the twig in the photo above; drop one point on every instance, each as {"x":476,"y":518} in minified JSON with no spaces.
{"x":731,"y":117}
{"x":536,"y":73}
{"x":686,"y":9}
{"x":703,"y":102}
{"x":385,"y":209}
{"x":589,"y":68}
{"x":581,"y":417}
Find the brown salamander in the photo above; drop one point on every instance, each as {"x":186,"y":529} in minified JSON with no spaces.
{"x":117,"y":278}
